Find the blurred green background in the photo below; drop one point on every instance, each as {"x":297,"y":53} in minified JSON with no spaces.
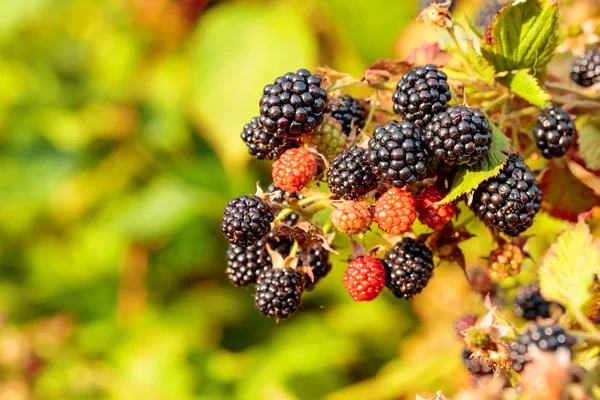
{"x":119,"y":130}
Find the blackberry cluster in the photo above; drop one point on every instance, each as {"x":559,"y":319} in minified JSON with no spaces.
{"x":278,"y":292}
{"x":397,"y":153}
{"x":350,"y":176}
{"x":585,"y":70}
{"x":476,"y":367}
{"x":244,"y":263}
{"x":320,"y":267}
{"x":545,"y":337}
{"x":349,"y":112}
{"x":488,"y":12}
{"x":510,"y":200}
{"x":263,"y":145}
{"x":294,"y":104}
{"x":554,"y":133}
{"x":409,"y":266}
{"x":459,"y":136}
{"x":246,"y":220}
{"x":420,"y":94}
{"x":530,"y":304}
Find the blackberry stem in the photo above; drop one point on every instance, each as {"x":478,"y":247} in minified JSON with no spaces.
{"x":594,"y":104}
{"x":372,"y":111}
{"x":283,"y":214}
{"x":569,"y":89}
{"x":334,"y":88}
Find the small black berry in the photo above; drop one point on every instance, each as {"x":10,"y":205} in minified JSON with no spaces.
{"x":278,"y":292}
{"x":530,"y":304}
{"x":554,"y":133}
{"x":420,"y":94}
{"x":320,"y":265}
{"x":350,"y":175}
{"x":585,"y":70}
{"x":348,"y":112}
{"x":459,"y":136}
{"x":545,"y":337}
{"x":246,"y":220}
{"x":409,"y":267}
{"x":264,"y":145}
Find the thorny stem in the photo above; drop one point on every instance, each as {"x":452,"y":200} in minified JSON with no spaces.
{"x":374,"y":106}
{"x":569,"y":89}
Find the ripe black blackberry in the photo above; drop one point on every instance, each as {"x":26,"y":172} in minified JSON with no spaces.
{"x":488,"y":12}
{"x":263,"y":145}
{"x":293,"y":104}
{"x":278,"y":292}
{"x":585,"y":70}
{"x":320,"y":264}
{"x":545,"y":337}
{"x":476,"y":366}
{"x":409,"y":266}
{"x":530,"y":304}
{"x":397,"y":153}
{"x":458,"y":136}
{"x":246,"y":220}
{"x":423,"y":4}
{"x":554,"y":133}
{"x":420,"y":94}
{"x":282,"y":197}
{"x":244,"y":263}
{"x":510,"y":200}
{"x":350,"y":175}
{"x":349,"y":112}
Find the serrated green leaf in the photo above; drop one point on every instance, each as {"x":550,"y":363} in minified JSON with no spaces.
{"x":468,"y":178}
{"x":526,"y":86}
{"x":485,"y":71}
{"x":589,"y":146}
{"x":523,"y":35}
{"x":567,"y":270}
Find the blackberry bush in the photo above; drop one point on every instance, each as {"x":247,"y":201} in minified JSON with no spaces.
{"x":397,"y":153}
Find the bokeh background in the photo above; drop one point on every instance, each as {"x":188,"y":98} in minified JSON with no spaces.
{"x":119,"y":147}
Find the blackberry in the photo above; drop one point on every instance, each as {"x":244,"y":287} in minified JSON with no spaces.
{"x":505,"y":261}
{"x":554,"y":133}
{"x":423,"y":4}
{"x":350,"y":175}
{"x":397,"y":153}
{"x":246,"y":220}
{"x":488,"y":12}
{"x":278,"y":292}
{"x":320,"y":265}
{"x":244,"y":263}
{"x":349,"y":112}
{"x":420,"y":94}
{"x":263,"y":145}
{"x":585,"y":70}
{"x":294,"y":104}
{"x":459,"y":136}
{"x":327,"y":138}
{"x":530,"y":305}
{"x":545,"y":337}
{"x":409,"y":266}
{"x":476,"y":366}
{"x":510,"y":200}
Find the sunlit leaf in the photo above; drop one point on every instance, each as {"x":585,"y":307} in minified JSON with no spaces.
{"x":588,"y":140}
{"x":526,"y":86}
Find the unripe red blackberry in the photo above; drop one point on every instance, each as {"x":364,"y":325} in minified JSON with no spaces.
{"x":327,"y":138}
{"x":352,"y":218}
{"x":429,"y":212}
{"x":530,"y":304}
{"x":420,"y":94}
{"x":364,"y":278}
{"x":295,"y":169}
{"x":294,"y":104}
{"x":554,"y":133}
{"x":409,"y":267}
{"x":585,"y":70}
{"x":510,"y":200}
{"x":278,"y":292}
{"x":350,"y":176}
{"x":545,"y":337}
{"x":263,"y":145}
{"x":458,"y":136}
{"x":395,"y":211}
{"x":348,"y":112}
{"x":505,"y":261}
{"x":246,"y":220}
{"x":397,"y":153}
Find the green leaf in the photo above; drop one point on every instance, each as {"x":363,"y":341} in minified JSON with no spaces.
{"x":526,"y":86}
{"x":485,"y":71}
{"x":589,"y":146}
{"x":567,"y":270}
{"x":468,"y":178}
{"x":523,"y":35}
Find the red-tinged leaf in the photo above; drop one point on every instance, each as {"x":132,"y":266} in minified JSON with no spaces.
{"x":429,"y":54}
{"x":565,"y":196}
{"x":385,"y":70}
